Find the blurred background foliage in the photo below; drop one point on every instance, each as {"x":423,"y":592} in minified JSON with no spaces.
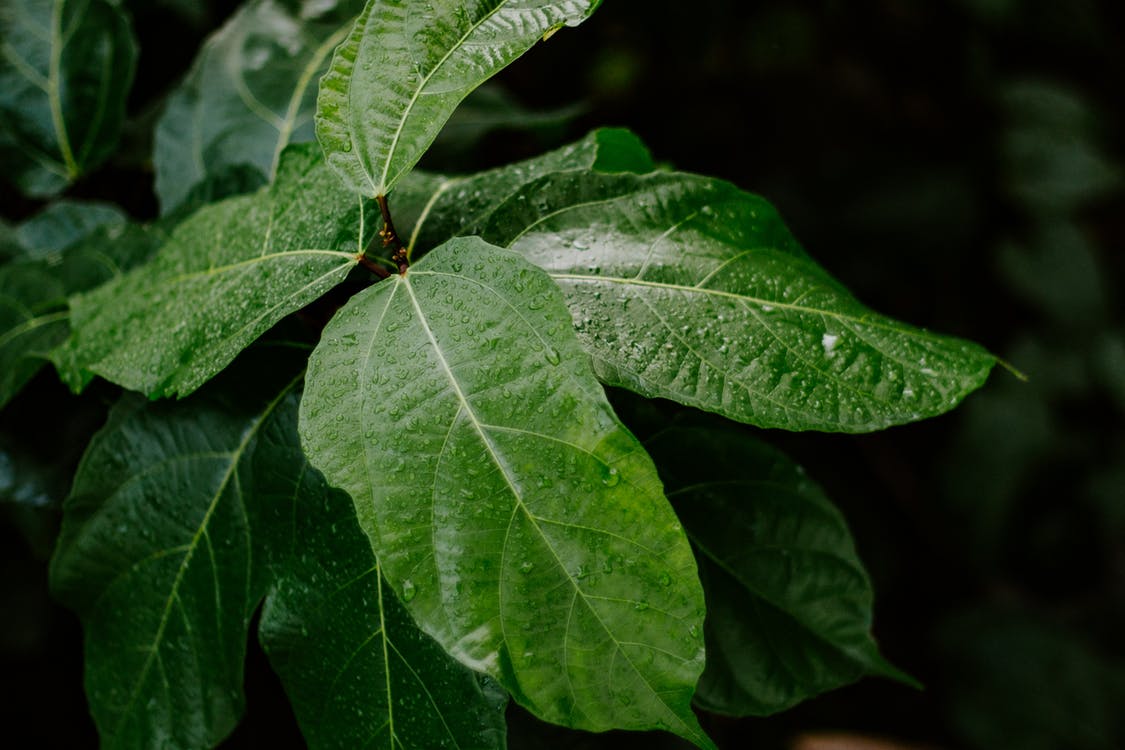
{"x":958,"y":164}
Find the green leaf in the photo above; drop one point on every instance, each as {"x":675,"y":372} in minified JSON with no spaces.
{"x":64,"y":223}
{"x":684,"y":287}
{"x":522,"y":525}
{"x":227,"y":274}
{"x":68,"y":248}
{"x":183,"y":515}
{"x":358,"y":671}
{"x":439,"y":208}
{"x":250,"y":93}
{"x":788,"y":601}
{"x":405,"y":67}
{"x":65,"y":69}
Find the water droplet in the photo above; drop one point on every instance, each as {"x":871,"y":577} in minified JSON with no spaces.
{"x":611,"y":477}
{"x":551,"y":356}
{"x":457,"y":266}
{"x":665,"y":579}
{"x":526,"y":566}
{"x":640,"y":606}
{"x":408,"y":590}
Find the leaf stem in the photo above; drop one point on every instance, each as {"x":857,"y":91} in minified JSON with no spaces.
{"x":390,"y":237}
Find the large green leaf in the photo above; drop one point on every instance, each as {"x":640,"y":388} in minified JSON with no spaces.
{"x":68,"y":248}
{"x":227,"y":274}
{"x":687,"y":288}
{"x":406,"y":65}
{"x":788,"y":601}
{"x":181,"y":518}
{"x":523,"y":526}
{"x":250,"y":93}
{"x":358,"y":671}
{"x":65,"y":69}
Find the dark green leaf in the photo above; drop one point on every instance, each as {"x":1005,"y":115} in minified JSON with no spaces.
{"x":65,"y":70}
{"x":250,"y":93}
{"x":75,"y":247}
{"x":404,"y":68}
{"x":687,"y":288}
{"x":788,"y":601}
{"x":227,"y":274}
{"x":523,"y":526}
{"x":182,"y":517}
{"x":358,"y":671}
{"x":63,"y":223}
{"x":439,"y":208}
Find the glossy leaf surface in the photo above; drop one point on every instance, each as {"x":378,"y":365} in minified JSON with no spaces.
{"x":404,"y":68}
{"x":358,"y":671}
{"x":65,"y":69}
{"x":788,"y":601}
{"x":182,"y":517}
{"x":227,"y":274}
{"x":250,"y":93}
{"x":687,"y":288}
{"x":522,"y":525}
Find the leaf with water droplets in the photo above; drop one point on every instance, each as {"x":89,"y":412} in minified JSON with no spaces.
{"x":406,"y":66}
{"x":687,"y":288}
{"x":249,"y":94}
{"x":226,"y":275}
{"x":524,"y":526}
{"x":65,"y":71}
{"x":788,"y":601}
{"x":182,"y":518}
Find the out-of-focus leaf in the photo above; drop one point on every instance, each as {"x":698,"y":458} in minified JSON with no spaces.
{"x":1053,"y":158}
{"x":521,"y":523}
{"x":63,"y":223}
{"x":68,"y":249}
{"x":227,"y":274}
{"x":250,"y":93}
{"x":405,"y":67}
{"x":65,"y":69}
{"x":1059,"y":274}
{"x":788,"y":601}
{"x":1020,"y":682}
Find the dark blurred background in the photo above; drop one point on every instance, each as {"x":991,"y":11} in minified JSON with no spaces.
{"x":959,"y":165}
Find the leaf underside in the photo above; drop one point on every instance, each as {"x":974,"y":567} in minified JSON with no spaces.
{"x":523,"y":526}
{"x":404,"y":68}
{"x":684,"y":287}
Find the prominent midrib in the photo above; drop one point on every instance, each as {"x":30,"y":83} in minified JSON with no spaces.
{"x":518,"y":497}
{"x":236,"y":458}
{"x":54,"y":95}
{"x":421,"y":86}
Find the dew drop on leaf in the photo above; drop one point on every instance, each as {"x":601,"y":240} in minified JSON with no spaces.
{"x":408,"y":590}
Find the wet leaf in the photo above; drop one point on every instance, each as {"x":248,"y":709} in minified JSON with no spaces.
{"x":250,"y":93}
{"x":226,"y":275}
{"x":183,"y":516}
{"x":521,"y":524}
{"x":406,"y":66}
{"x":788,"y":601}
{"x":687,"y":288}
{"x":65,"y":69}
